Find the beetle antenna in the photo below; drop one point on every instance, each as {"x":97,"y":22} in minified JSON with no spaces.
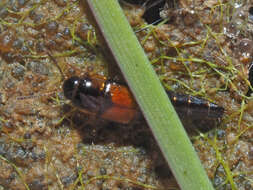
{"x":34,"y":96}
{"x":56,"y":64}
{"x":49,"y":93}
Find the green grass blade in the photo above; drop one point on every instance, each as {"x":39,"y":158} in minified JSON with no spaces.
{"x":150,"y":95}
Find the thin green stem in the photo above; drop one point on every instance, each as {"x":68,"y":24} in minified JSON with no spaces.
{"x":150,"y":95}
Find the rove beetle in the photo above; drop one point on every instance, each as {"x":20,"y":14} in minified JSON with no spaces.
{"x":114,"y":102}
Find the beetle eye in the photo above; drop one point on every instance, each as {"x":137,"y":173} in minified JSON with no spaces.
{"x":69,"y":86}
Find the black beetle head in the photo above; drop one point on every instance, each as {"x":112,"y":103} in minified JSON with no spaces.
{"x":70,"y":87}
